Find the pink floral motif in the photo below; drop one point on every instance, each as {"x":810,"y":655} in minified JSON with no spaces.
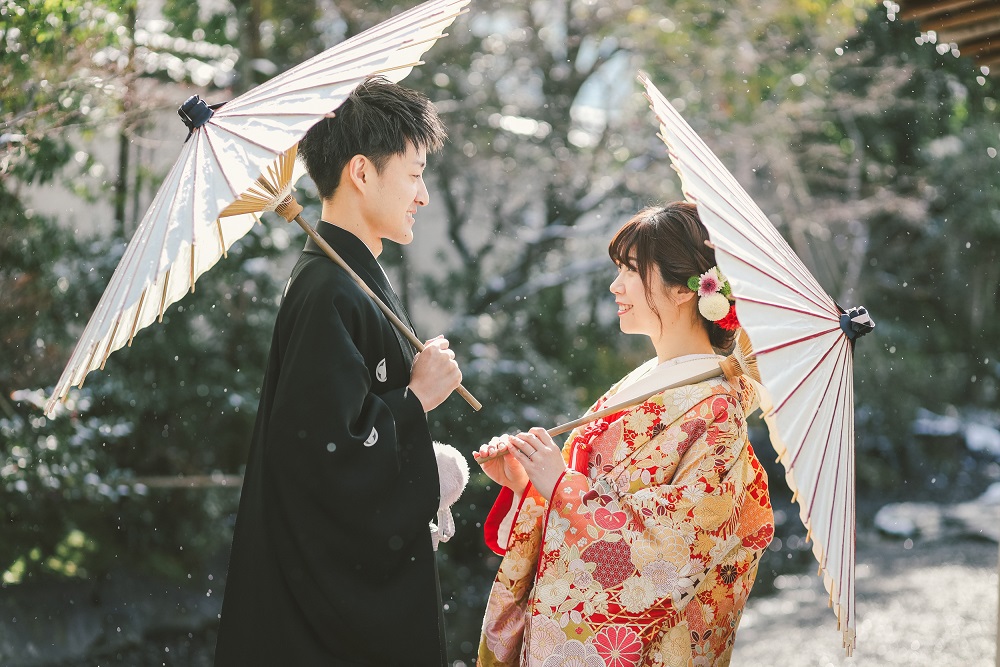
{"x":708,"y":283}
{"x":504,"y":623}
{"x":619,"y":646}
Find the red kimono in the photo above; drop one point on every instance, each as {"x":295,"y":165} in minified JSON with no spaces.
{"x":648,"y":557}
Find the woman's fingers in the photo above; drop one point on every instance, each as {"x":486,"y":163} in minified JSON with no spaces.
{"x":495,"y":447}
{"x":543,"y":436}
{"x":522,"y":446}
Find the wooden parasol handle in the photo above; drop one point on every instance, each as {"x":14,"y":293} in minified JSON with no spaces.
{"x":638,"y":400}
{"x":403,"y":329}
{"x":742,"y":361}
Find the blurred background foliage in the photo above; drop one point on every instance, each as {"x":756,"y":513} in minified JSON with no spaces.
{"x":874,"y":154}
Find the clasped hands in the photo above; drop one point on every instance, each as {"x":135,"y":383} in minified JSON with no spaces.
{"x":528,"y":456}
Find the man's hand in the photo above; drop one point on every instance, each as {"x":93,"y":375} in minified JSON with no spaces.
{"x":434,"y":374}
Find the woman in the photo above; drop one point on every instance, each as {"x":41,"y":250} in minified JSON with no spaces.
{"x":638,"y":543}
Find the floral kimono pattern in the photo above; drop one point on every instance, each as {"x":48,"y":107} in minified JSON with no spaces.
{"x":648,"y":557}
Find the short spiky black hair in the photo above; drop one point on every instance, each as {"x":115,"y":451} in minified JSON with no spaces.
{"x":378,"y":120}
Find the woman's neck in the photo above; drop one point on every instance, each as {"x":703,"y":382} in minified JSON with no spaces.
{"x":689,"y":340}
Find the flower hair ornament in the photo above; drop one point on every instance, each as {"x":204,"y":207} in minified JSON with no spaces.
{"x":715,"y":298}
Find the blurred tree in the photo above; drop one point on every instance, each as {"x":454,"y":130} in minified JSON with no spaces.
{"x":49,"y":82}
{"x":894,"y":201}
{"x":76,"y":475}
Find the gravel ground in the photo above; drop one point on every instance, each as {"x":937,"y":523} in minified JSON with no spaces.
{"x":918,"y":604}
{"x":922,"y":604}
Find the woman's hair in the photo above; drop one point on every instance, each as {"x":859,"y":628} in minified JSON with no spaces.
{"x":671,"y":238}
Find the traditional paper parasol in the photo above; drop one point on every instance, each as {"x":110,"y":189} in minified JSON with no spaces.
{"x":237,"y":162}
{"x":803,"y":342}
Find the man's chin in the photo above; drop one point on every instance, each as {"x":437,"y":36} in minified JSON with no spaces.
{"x":402,"y":239}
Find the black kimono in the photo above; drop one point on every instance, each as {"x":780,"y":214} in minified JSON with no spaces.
{"x":332,"y":561}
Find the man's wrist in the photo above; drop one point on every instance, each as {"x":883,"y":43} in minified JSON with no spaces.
{"x":409,"y":390}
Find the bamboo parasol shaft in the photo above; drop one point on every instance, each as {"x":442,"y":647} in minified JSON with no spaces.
{"x":594,"y":416}
{"x":638,"y":400}
{"x":740,"y":362}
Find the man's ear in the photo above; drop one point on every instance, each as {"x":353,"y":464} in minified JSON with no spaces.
{"x":358,"y":170}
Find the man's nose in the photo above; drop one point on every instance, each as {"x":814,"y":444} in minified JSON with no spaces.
{"x":423,"y":197}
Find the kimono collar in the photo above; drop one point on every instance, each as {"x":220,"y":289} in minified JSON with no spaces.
{"x":651,"y":367}
{"x":360,"y":258}
{"x":349,"y":246}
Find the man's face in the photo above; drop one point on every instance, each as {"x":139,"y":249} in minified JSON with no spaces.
{"x":399,"y":190}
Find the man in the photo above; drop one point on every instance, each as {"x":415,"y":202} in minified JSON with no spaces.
{"x":332,"y":562}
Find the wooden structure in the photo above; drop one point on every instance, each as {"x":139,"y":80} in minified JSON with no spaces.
{"x":973,"y":25}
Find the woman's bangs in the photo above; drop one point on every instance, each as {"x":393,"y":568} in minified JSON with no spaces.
{"x":622,"y":248}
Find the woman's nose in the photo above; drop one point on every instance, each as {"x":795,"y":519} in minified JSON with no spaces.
{"x":615,"y":286}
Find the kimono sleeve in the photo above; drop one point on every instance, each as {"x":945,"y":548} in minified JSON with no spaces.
{"x":651,"y":534}
{"x":498,"y":527}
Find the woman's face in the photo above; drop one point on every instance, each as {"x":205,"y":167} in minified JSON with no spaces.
{"x":635,"y":316}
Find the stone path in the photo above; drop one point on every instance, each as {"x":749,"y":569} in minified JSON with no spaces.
{"x":923,"y":603}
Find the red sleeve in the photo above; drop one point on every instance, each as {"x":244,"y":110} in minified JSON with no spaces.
{"x":499,"y":511}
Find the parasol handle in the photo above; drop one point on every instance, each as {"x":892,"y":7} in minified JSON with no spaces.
{"x":742,"y":361}
{"x":403,"y":329}
{"x":638,"y":400}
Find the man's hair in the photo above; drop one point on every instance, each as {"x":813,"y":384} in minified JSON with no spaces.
{"x":378,"y":120}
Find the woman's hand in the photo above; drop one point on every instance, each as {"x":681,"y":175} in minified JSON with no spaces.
{"x":504,"y":468}
{"x":540,"y":457}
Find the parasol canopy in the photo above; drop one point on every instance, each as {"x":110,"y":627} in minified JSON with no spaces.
{"x":215,"y":190}
{"x":803,"y":342}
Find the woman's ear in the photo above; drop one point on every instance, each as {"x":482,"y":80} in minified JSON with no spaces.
{"x":680,"y":294}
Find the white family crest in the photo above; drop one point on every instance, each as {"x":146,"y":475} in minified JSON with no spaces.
{"x":380,"y":371}
{"x":372,"y":439}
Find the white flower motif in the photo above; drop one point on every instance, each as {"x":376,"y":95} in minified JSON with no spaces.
{"x":574,"y":653}
{"x":583,"y":576}
{"x":529,"y":513}
{"x":684,"y":396}
{"x":723,"y":547}
{"x":694,"y":494}
{"x":515,"y":566}
{"x":553,"y":593}
{"x":663,"y":576}
{"x":636,"y":595}
{"x":555,"y":534}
